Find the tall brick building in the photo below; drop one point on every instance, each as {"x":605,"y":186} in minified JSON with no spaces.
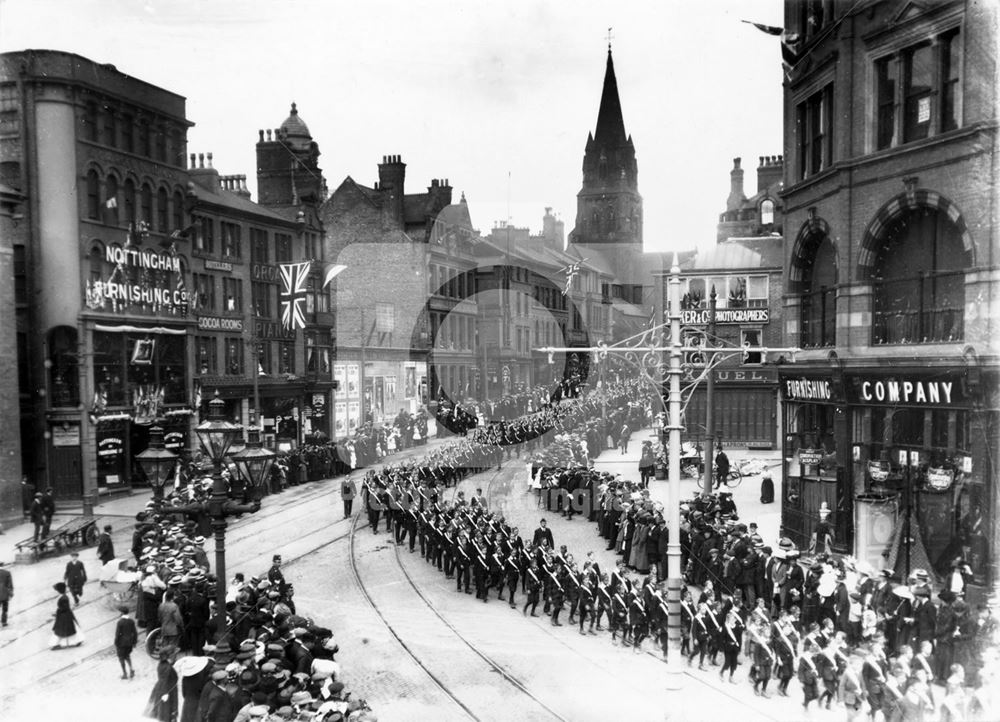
{"x":891,"y":281}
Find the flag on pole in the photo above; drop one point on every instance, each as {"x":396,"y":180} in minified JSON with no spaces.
{"x":789,"y":45}
{"x":293,"y":293}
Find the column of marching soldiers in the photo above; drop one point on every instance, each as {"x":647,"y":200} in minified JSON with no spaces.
{"x":482,"y":552}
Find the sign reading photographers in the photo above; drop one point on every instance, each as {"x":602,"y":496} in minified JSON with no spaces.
{"x":699,"y":316}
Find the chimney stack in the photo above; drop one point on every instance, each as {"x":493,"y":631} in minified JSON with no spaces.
{"x":391,"y":180}
{"x":736,"y":196}
{"x":769,"y":171}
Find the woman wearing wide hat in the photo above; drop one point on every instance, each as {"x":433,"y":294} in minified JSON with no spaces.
{"x":64,"y":630}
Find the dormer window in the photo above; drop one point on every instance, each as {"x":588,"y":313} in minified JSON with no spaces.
{"x":767,"y":213}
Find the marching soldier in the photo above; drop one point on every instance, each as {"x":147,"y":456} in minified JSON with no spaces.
{"x":511,"y":574}
{"x":687,"y":620}
{"x":585,"y":605}
{"x":480,"y":569}
{"x":603,"y":600}
{"x":701,"y":632}
{"x":556,"y":596}
{"x":637,"y":620}
{"x":619,"y":616}
{"x":660,"y":615}
{"x":784,"y":649}
{"x":463,"y":562}
{"x":763,"y":659}
{"x":533,"y":588}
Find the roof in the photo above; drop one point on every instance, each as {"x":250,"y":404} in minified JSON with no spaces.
{"x":294,"y":126}
{"x":610,"y":125}
{"x":232,"y":201}
{"x":739,"y":254}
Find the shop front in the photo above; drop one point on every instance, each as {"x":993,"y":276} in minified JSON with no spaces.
{"x":900,"y":457}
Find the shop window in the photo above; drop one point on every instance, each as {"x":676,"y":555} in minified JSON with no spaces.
{"x":234,"y":356}
{"x":912,"y":304}
{"x":907,"y":427}
{"x":139,"y":371}
{"x":696,"y":296}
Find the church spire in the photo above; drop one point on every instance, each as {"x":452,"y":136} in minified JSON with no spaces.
{"x":610,"y":125}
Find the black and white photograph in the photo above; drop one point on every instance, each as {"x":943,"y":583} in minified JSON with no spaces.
{"x":361,"y":376}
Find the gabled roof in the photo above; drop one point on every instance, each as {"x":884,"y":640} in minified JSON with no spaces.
{"x":371,"y":195}
{"x":228,"y":199}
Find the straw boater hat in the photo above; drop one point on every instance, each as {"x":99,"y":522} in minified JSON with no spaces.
{"x":824,"y":510}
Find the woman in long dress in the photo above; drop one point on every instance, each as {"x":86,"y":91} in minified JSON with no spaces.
{"x":162,"y":704}
{"x":64,"y":630}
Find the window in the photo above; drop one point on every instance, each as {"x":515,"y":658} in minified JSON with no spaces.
{"x":814,"y":121}
{"x":146,"y":204}
{"x":178,"y":211}
{"x":258,"y":245}
{"x":93,"y":195}
{"x":282,"y":247}
{"x":951,"y":61}
{"x":20,"y":275}
{"x":384,"y":318}
{"x":757,"y":291}
{"x":232,"y":244}
{"x":312,"y":363}
{"x":767,"y":213}
{"x":204,"y":292}
{"x":161,"y":145}
{"x":162,"y":210}
{"x":207,"y":361}
{"x":128,"y":193}
{"x":205,"y":239}
{"x":111,"y":200}
{"x":917,"y":91}
{"x":818,"y":306}
{"x":812,"y":16}
{"x":917,"y":70}
{"x":110,"y":129}
{"x":144,"y":146}
{"x":261,"y":298}
{"x":751,"y":337}
{"x":286,"y":357}
{"x":232,"y":292}
{"x":910,"y":303}
{"x":264,"y":363}
{"x":91,"y":131}
{"x":128,"y":137}
{"x":234,"y":356}
{"x":885,"y":91}
{"x":314,"y":246}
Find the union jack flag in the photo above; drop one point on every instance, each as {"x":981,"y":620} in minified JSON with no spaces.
{"x":293,"y":293}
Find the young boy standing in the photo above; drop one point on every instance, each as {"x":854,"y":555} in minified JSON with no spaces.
{"x":126,"y":637}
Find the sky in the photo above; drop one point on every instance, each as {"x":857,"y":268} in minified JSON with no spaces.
{"x":497,"y":97}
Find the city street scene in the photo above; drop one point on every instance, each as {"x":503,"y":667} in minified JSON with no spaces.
{"x":360,"y":375}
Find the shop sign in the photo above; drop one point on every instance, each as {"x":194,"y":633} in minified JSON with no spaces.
{"x":219,"y":323}
{"x":66,"y":435}
{"x":272,"y":330}
{"x":218,"y":266}
{"x":120,"y":292}
{"x":264,"y":272}
{"x":699,"y":316}
{"x":139,"y":258}
{"x":918,"y":392}
{"x":173,"y":440}
{"x":750,"y":376}
{"x":810,"y":457}
{"x":110,"y":447}
{"x":940,"y":479}
{"x":878,"y":470}
{"x":809,"y":389}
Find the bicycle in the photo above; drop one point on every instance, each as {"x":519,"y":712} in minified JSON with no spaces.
{"x":732,"y":480}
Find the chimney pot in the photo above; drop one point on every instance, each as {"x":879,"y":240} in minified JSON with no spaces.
{"x":736,"y":163}
{"x":209,"y":160}
{"x":192,"y":161}
{"x":260,"y":136}
{"x":201,"y":160}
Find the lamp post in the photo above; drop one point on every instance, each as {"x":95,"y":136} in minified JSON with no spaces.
{"x":254,"y":462}
{"x":157,"y":463}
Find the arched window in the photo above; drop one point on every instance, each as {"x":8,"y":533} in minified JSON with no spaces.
{"x":128,"y":194}
{"x":111,"y":200}
{"x":162,"y":212}
{"x":93,"y":195}
{"x":146,"y":204}
{"x":818,"y":306}
{"x":767,"y":213}
{"x":178,"y":216}
{"x":918,"y":286}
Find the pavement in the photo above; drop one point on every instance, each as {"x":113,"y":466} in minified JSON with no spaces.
{"x":410,"y":645}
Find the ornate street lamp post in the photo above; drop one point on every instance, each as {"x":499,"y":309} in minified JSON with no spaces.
{"x":157,"y":464}
{"x":254,"y":463}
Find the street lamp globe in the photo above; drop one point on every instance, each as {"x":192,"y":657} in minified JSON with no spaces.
{"x":157,"y":463}
{"x":254,"y":462}
{"x":215,"y":433}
